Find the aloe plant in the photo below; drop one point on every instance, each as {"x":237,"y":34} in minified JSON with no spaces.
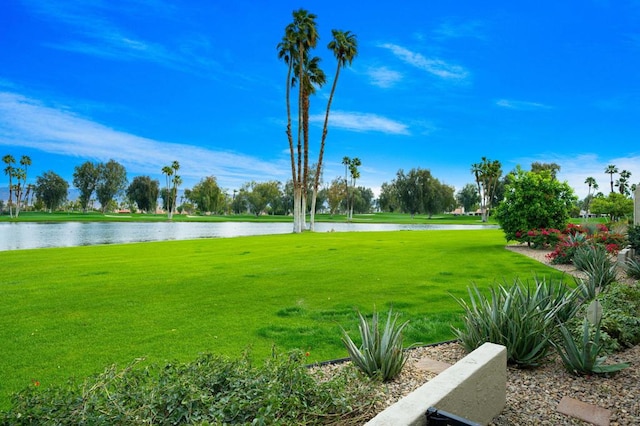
{"x":381,"y":354}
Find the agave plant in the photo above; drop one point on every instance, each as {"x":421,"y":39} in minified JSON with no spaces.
{"x":521,"y":317}
{"x":633,"y":267}
{"x":583,"y":357}
{"x":381,"y":354}
{"x":600,"y":270}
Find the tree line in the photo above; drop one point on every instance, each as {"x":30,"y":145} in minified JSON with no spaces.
{"x":105,"y":186}
{"x":413,"y":192}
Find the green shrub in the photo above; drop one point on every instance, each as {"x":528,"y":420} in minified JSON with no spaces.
{"x":583,"y":356}
{"x":633,"y":235}
{"x":633,"y":267}
{"x":210,"y":390}
{"x":621,"y":318}
{"x":520,"y":316}
{"x":381,"y":354}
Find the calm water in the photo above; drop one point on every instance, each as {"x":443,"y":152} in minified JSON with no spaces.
{"x":24,"y":235}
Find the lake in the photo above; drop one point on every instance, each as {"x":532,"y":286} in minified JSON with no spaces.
{"x":29,"y":235}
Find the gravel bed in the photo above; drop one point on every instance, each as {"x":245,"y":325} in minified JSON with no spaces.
{"x":533,"y":394}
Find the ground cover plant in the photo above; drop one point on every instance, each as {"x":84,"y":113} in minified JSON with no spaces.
{"x":209,"y":390}
{"x":72,"y":311}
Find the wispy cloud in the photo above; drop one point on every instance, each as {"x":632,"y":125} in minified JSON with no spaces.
{"x":383,"y":77}
{"x":437,"y":67}
{"x":468,"y":29}
{"x":521,"y":105}
{"x":31,"y":123}
{"x":90,"y":32}
{"x":363,"y":122}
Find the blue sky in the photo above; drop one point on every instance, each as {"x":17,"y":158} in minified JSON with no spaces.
{"x":436,"y":85}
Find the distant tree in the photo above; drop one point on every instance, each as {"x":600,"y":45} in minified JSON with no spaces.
{"x":388,"y":199}
{"x":445,"y":200}
{"x":85,"y":179}
{"x":611,"y":170}
{"x":553,"y":168}
{"x":144,"y":191}
{"x":409,"y":188}
{"x":112,"y":180}
{"x":419,"y":192}
{"x":532,"y":201}
{"x":206,"y":195}
{"x":362,"y":200}
{"x":9,"y":160}
{"x":51,"y":189}
{"x":335,"y":195}
{"x":487,"y":174}
{"x":262,"y":195}
{"x":468,"y":197}
{"x":616,"y":206}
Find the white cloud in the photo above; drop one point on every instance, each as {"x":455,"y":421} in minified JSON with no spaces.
{"x":437,"y":67}
{"x":383,"y":77}
{"x":30,"y":123}
{"x":576,"y":169}
{"x":469,"y":29}
{"x":363,"y":122}
{"x":91,"y":33}
{"x":521,"y":105}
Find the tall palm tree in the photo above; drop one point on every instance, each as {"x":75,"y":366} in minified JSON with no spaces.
{"x":355,"y":174}
{"x":9,"y":170}
{"x":168,"y":172}
{"x":591,"y":182}
{"x":286,"y":52}
{"x":25,"y":162}
{"x":345,"y":48}
{"x":313,"y":76}
{"x":177,"y":180}
{"x":623,"y":182}
{"x":611,"y":170}
{"x":346,"y":161}
{"x":300,"y":37}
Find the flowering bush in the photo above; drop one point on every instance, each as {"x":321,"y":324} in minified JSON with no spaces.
{"x":538,"y":238}
{"x":575,"y":236}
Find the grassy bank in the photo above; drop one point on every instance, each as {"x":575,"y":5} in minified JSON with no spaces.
{"x":72,"y":311}
{"x":137,"y":217}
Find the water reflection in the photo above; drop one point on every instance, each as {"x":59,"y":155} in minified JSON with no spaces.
{"x":25,"y":235}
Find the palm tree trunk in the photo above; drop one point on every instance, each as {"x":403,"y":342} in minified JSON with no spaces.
{"x":325,"y":129}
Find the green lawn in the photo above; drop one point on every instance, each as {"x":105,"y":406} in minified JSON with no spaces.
{"x":72,"y":311}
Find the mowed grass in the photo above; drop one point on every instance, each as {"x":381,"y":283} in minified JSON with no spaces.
{"x":70,"y":312}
